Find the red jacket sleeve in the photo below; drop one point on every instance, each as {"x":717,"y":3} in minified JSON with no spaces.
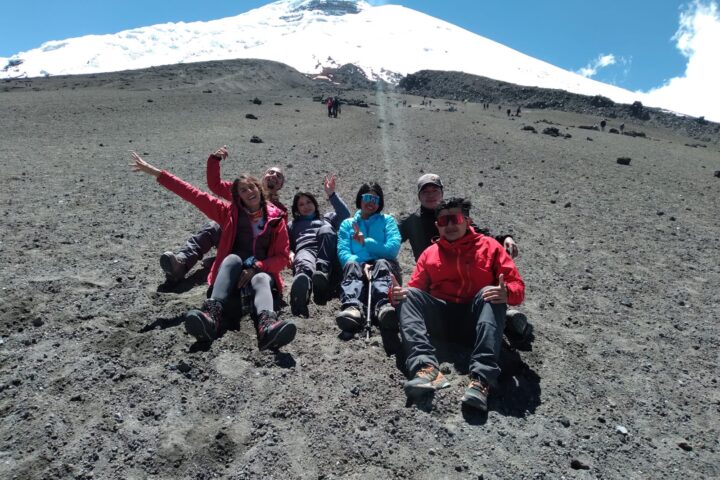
{"x":279,"y":251}
{"x":213,"y":208}
{"x":420,"y":278}
{"x":503,"y":264}
{"x":218,"y":186}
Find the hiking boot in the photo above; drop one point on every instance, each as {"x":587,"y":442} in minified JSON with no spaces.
{"x":205,"y":324}
{"x":426,"y":380}
{"x":173,"y":266}
{"x":321,"y":285}
{"x":476,"y":394}
{"x":387,"y":317}
{"x":273,"y":333}
{"x":516,"y":323}
{"x":300,"y":295}
{"x":350,"y":319}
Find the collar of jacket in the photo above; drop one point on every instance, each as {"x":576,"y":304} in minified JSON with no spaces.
{"x":371,"y":218}
{"x":470,"y":237}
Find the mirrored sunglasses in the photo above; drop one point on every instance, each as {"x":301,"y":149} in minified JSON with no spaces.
{"x":370,"y":198}
{"x":454,"y":218}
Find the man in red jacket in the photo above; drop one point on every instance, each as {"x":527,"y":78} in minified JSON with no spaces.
{"x":459,"y":290}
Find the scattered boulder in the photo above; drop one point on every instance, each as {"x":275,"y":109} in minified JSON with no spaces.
{"x":552,"y":131}
{"x":576,"y":464}
{"x":257,"y":101}
{"x":250,"y":116}
{"x":600,"y":101}
{"x":717,"y":174}
{"x":207,"y":91}
{"x":623,"y":160}
{"x":589,"y":139}
{"x":277,"y":104}
{"x":588,"y":127}
{"x":638,"y":111}
{"x":529,"y":128}
{"x":685,"y":446}
{"x":614,"y":130}
{"x":256,"y":139}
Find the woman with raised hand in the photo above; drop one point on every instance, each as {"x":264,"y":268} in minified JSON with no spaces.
{"x":253,"y":250}
{"x":313,"y":241}
{"x":368,"y":244}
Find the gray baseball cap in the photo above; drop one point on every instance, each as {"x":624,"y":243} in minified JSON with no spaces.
{"x":429,"y":179}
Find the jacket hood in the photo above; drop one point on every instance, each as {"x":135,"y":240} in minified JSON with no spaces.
{"x":470,"y":237}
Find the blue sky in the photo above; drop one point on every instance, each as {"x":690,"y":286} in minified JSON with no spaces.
{"x":635,"y":36}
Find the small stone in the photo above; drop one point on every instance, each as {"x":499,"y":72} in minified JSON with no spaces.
{"x":355,"y":390}
{"x":149,"y":100}
{"x":37,"y":322}
{"x":622,"y":430}
{"x":660,"y":213}
{"x":257,"y":101}
{"x":564,"y":421}
{"x":576,"y":464}
{"x":685,"y":446}
{"x":717,"y":174}
{"x":250,"y":116}
{"x":255,"y":139}
{"x":184,"y":367}
{"x":568,"y":205}
{"x":623,"y":160}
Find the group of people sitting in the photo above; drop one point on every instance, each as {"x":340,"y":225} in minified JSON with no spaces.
{"x":459,"y":290}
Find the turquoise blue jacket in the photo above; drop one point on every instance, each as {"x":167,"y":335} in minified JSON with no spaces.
{"x":382,"y":239}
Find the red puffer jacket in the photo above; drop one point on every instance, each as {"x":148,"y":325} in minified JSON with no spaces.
{"x":457,"y":271}
{"x":226,"y":214}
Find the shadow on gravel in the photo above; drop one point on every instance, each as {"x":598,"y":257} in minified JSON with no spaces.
{"x":199,"y":277}
{"x":284,"y":359}
{"x":163,"y":323}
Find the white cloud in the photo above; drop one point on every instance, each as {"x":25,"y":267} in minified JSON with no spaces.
{"x":602,"y":61}
{"x":698,"y":39}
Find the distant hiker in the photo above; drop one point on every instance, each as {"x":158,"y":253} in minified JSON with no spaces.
{"x":177,"y":265}
{"x":313,"y":241}
{"x":603,"y":123}
{"x":459,"y":292}
{"x":253,"y":250}
{"x":368,"y":244}
{"x":499,"y":107}
{"x":329,"y":103}
{"x":508,"y":112}
{"x":622,"y":127}
{"x":336,"y":107}
{"x":517,"y":112}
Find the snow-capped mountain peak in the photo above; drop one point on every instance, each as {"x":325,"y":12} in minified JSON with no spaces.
{"x":386,"y":42}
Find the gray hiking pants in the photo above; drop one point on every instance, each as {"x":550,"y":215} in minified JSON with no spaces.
{"x":480,"y":324}
{"x":199,"y":244}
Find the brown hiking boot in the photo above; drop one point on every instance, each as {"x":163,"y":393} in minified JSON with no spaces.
{"x":426,"y":380}
{"x":350,"y":319}
{"x":273,"y":333}
{"x":476,"y":394}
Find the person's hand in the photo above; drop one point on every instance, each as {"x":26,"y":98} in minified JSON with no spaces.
{"x":398,"y":293}
{"x":358,"y":235}
{"x":221,"y":153}
{"x":496,"y":294}
{"x":329,"y":184}
{"x":140,"y":165}
{"x":511,"y":247}
{"x":245,"y":277}
{"x":292,"y":257}
{"x":367,"y":270}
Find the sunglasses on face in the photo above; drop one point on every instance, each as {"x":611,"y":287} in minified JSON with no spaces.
{"x":370,"y":198}
{"x":454,"y":218}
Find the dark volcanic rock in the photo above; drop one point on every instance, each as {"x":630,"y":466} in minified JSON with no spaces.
{"x":529,"y":128}
{"x":552,"y":131}
{"x":623,"y":160}
{"x":255,"y":139}
{"x":250,"y":116}
{"x":257,"y":101}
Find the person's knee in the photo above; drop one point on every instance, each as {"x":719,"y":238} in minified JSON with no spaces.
{"x":232,"y":261}
{"x":352,"y":269}
{"x":260,"y":280}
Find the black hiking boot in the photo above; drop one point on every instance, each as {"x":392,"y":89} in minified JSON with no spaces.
{"x":273,"y":333}
{"x":173,"y":266}
{"x":476,"y":394}
{"x":205,"y":324}
{"x":426,"y":380}
{"x":300,"y":295}
{"x":350,"y":319}
{"x":321,"y":287}
{"x":387,"y":318}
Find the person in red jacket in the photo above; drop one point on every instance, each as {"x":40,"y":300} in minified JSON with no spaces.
{"x":253,"y":250}
{"x":176,"y":265}
{"x":459,"y":290}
